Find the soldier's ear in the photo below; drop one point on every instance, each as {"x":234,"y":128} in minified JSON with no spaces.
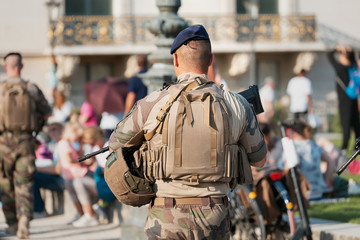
{"x":212,"y":59}
{"x":175,"y":60}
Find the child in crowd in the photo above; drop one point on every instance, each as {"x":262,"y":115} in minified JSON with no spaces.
{"x":96,"y":139}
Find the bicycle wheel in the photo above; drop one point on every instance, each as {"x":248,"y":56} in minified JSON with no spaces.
{"x":247,"y":218}
{"x":284,"y":202}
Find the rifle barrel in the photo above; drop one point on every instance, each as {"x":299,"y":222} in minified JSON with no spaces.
{"x":343,"y":167}
{"x":84,"y":157}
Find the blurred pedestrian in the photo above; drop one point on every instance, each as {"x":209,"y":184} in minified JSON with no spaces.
{"x":310,"y":156}
{"x":95,"y":137}
{"x":87,"y":115}
{"x":267,"y":95}
{"x":23,"y":112}
{"x":348,"y":108}
{"x":51,"y":180}
{"x":300,"y":91}
{"x":48,"y":176}
{"x":109,"y":121}
{"x":79,"y":179}
{"x":52,"y":79}
{"x":62,"y":107}
{"x":137,"y":89}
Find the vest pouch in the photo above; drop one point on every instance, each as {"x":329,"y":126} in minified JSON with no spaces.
{"x":154,"y":163}
{"x":245,"y":174}
{"x":231,"y":160}
{"x":128,"y":188}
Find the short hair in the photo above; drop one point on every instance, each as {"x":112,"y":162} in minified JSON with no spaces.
{"x":196,"y":53}
{"x":13,"y":63}
{"x":142,"y":61}
{"x":13,"y":54}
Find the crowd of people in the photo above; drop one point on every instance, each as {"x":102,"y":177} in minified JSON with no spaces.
{"x":69,"y":135}
{"x":66,"y":136}
{"x":319,"y":157}
{"x":48,"y":159}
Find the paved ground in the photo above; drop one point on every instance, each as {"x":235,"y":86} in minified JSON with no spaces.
{"x":331,"y":230}
{"x":56,"y":227}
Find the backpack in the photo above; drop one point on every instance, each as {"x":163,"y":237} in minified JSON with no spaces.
{"x":194,"y":127}
{"x":17,"y":108}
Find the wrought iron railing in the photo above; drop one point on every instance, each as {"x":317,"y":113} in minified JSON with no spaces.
{"x":106,"y":30}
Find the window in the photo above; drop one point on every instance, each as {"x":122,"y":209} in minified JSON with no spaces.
{"x":265,"y":6}
{"x":268,"y":6}
{"x":88,"y":7}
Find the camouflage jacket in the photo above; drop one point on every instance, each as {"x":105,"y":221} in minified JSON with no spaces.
{"x":142,"y":119}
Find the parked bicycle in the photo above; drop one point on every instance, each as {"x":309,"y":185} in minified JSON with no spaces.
{"x":248,"y":220}
{"x":246,"y":214}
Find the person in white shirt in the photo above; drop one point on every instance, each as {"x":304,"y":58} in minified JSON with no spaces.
{"x":267,"y":95}
{"x":300,"y":91}
{"x":62,"y":107}
{"x":109,"y":121}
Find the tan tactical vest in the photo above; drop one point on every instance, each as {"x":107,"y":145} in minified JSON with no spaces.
{"x":194,"y":126}
{"x":17,"y":108}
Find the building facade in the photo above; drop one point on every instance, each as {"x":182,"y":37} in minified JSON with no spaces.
{"x":97,"y":38}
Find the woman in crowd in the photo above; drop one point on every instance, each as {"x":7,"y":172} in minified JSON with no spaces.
{"x":348,"y":108}
{"x":62,"y":107}
{"x":79,"y":179}
{"x":87,"y":116}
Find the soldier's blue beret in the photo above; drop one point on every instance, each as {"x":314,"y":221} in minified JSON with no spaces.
{"x":194,"y":32}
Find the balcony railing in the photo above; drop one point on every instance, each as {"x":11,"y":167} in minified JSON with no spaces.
{"x":107,"y":30}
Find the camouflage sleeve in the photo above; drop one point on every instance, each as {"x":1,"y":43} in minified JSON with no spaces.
{"x":245,"y":128}
{"x":252,"y":138}
{"x":126,"y":130}
{"x":130,"y":131}
{"x":42,"y":105}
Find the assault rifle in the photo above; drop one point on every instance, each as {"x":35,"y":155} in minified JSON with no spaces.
{"x":251,"y":95}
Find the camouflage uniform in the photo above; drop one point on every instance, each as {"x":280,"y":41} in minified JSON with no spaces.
{"x":189,"y":221}
{"x":17,"y":164}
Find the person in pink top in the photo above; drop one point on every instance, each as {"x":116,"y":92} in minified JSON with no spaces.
{"x":87,"y":116}
{"x":79,"y":179}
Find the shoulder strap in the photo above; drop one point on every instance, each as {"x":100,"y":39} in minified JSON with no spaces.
{"x":164,"y":110}
{"x":341,"y":83}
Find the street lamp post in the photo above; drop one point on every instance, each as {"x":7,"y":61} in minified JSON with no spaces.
{"x":252,"y":7}
{"x":165,"y":26}
{"x":53,"y":7}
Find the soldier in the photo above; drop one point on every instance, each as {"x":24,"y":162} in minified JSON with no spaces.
{"x":191,"y":134}
{"x":23,"y":111}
